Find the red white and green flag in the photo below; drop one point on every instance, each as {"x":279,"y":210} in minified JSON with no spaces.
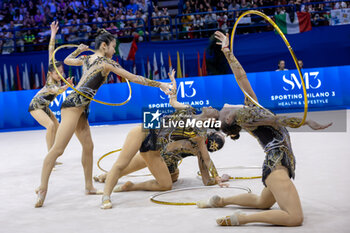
{"x":126,"y":51}
{"x":301,"y":22}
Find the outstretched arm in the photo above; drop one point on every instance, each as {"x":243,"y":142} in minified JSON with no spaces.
{"x":72,"y":59}
{"x":236,"y":67}
{"x":173,"y":96}
{"x":114,"y":67}
{"x":54,"y":28}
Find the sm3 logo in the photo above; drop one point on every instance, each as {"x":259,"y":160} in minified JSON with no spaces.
{"x":310,"y":78}
{"x":59,"y":99}
{"x":185,"y":89}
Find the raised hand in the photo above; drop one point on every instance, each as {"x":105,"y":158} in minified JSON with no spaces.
{"x":173,"y":81}
{"x":83,"y":47}
{"x":54,"y":27}
{"x":223,"y":40}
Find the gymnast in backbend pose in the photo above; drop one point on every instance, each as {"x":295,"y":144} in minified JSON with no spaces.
{"x":153,"y":143}
{"x":39,"y":106}
{"x":174,"y":152}
{"x":279,"y":164}
{"x":74,"y":111}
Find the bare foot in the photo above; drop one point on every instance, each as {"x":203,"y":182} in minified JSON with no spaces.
{"x":41,"y":194}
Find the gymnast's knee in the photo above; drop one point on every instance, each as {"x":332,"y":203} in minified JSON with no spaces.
{"x":264,"y":205}
{"x":166,"y":186}
{"x":52,"y":127}
{"x":295,"y":220}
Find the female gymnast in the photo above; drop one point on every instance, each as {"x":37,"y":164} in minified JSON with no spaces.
{"x":279,"y":164}
{"x":39,"y":106}
{"x":174,"y":152}
{"x":74,"y":110}
{"x":152,"y":143}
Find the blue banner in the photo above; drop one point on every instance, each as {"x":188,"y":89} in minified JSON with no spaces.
{"x":280,"y":91}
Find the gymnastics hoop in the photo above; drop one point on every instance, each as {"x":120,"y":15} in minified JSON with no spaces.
{"x":103,"y":156}
{"x":254,"y":12}
{"x":79,"y":92}
{"x":114,"y":151}
{"x":152,"y":198}
{"x":236,"y":177}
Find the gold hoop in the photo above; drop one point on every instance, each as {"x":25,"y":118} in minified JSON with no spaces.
{"x":103,"y":156}
{"x":184,"y":189}
{"x":79,"y":92}
{"x":254,"y":12}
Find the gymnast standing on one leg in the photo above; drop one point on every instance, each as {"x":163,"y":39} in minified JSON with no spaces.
{"x":279,"y":164}
{"x":39,"y":106}
{"x":74,"y":109}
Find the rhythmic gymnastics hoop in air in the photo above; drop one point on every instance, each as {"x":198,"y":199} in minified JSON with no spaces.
{"x":115,"y":151}
{"x":79,"y":92}
{"x":254,"y":12}
{"x":185,"y":189}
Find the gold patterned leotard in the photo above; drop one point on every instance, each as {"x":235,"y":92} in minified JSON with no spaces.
{"x":275,"y":140}
{"x":89,"y":84}
{"x":46,"y":95}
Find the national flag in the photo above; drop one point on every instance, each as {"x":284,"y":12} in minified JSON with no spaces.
{"x":126,"y":51}
{"x":12,"y":79}
{"x":6,"y":79}
{"x":199,"y":64}
{"x":179,"y":73}
{"x":43,"y":81}
{"x":163,"y":74}
{"x":301,"y":22}
{"x":19,"y":85}
{"x":149,"y":71}
{"x":26,"y":83}
{"x":183,"y":65}
{"x":204,"y":65}
{"x":155,"y":68}
{"x":36,"y":83}
{"x":170,"y":65}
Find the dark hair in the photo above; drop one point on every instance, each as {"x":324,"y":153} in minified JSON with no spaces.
{"x":230,"y":129}
{"x":58,"y":64}
{"x":103,"y":36}
{"x":215,"y":142}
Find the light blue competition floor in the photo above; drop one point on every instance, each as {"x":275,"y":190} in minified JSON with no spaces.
{"x":322,"y":180}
